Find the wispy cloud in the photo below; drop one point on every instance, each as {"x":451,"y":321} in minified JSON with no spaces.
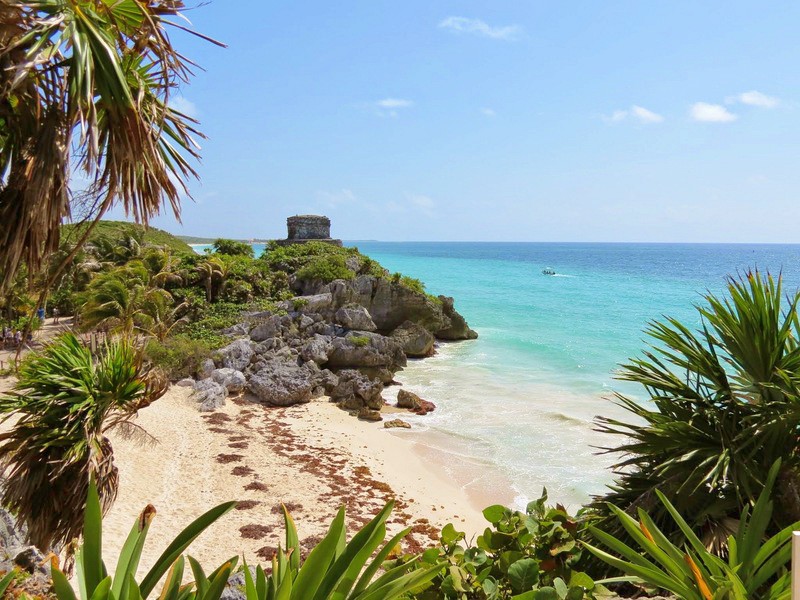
{"x":634,"y":113}
{"x":481,"y":28}
{"x":754,"y":98}
{"x":337,"y":198}
{"x":711,"y":113}
{"x":184,"y":105}
{"x":390,"y":107}
{"x":488,"y":112}
{"x":424,"y":204}
{"x":394,"y":103}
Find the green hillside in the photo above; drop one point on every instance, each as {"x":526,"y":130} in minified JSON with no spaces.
{"x":118,"y":230}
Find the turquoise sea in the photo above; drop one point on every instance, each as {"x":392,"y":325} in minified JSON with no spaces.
{"x":515,"y":406}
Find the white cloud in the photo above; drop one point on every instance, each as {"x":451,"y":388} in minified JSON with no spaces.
{"x":394,"y":103}
{"x":636,"y":113}
{"x":389,"y":107}
{"x":184,"y":105}
{"x":481,"y":28}
{"x":488,"y":112}
{"x":754,"y":98}
{"x":711,"y":113}
{"x":644,"y":115}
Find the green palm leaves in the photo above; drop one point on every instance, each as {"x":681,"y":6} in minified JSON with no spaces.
{"x":339,"y":570}
{"x":755,"y":568}
{"x":85,"y":85}
{"x":66,"y":399}
{"x":95,"y":583}
{"x":725,"y":406}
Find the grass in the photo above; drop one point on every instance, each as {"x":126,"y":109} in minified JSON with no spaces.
{"x":118,"y":230}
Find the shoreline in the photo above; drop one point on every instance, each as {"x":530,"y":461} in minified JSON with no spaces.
{"x":313,"y":457}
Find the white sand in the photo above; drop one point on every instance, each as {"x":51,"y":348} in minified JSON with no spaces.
{"x":313,"y":457}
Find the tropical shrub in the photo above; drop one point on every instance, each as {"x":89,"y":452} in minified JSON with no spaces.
{"x":523,"y":555}
{"x":233,"y":248}
{"x":180,"y":355}
{"x":65,"y":400}
{"x":338,"y":569}
{"x":95,"y":582}
{"x":756,"y":567}
{"x":725,"y":405}
{"x":325,"y":268}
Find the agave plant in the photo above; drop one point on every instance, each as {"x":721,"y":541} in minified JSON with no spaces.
{"x":337,"y":569}
{"x":756,"y":567}
{"x":64,"y":402}
{"x":84,"y":85}
{"x":725,"y":405}
{"x":95,"y":583}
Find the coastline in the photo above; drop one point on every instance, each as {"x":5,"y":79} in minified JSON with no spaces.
{"x":312,"y":457}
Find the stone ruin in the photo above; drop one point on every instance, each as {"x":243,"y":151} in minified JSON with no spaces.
{"x":309,"y":228}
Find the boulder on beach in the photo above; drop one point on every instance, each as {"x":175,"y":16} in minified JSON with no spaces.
{"x":416,"y":341}
{"x":354,"y":391}
{"x":396,"y":424}
{"x":236,"y":355}
{"x":209,"y":395}
{"x":414,"y":403}
{"x":281,"y":383}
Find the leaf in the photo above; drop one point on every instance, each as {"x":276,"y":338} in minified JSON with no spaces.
{"x":495,"y":513}
{"x":180,"y":543}
{"x":523,"y":574}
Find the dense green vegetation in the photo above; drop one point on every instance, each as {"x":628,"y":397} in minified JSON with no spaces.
{"x":121,"y":231}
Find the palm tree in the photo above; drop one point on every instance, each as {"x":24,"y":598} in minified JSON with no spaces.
{"x":213,"y":273}
{"x":66,"y":400}
{"x":725,"y":406}
{"x":84,"y":86}
{"x":162,"y":316}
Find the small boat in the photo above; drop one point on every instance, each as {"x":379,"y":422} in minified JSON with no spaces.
{"x":548,"y":271}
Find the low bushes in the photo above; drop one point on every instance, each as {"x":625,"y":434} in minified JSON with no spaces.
{"x":180,"y":355}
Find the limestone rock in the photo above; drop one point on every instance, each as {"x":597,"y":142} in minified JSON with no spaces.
{"x":268,"y":329}
{"x":458,"y":328}
{"x":389,"y":303}
{"x":396,"y":423}
{"x":365,"y":349}
{"x":231,"y":379}
{"x":236,"y":355}
{"x":205,"y":369}
{"x":187,"y":382}
{"x":368,"y":414}
{"x":355,"y":390}
{"x":414,"y":403}
{"x":317,"y":349}
{"x":209,"y":395}
{"x":355,"y":317}
{"x":416,"y":341}
{"x":281,"y":383}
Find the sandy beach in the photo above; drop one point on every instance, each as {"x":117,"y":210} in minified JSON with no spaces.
{"x":313,"y":458}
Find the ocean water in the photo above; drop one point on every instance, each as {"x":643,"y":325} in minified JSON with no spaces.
{"x":520,"y":400}
{"x":515,"y":407}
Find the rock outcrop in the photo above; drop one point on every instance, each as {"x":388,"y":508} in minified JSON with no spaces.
{"x":414,"y":403}
{"x":415,"y":340}
{"x":389,"y":304}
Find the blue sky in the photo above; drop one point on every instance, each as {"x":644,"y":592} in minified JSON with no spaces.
{"x":502,"y":120}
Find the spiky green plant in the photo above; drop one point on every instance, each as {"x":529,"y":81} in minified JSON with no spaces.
{"x":724,"y":406}
{"x":756,"y":567}
{"x":337,"y":569}
{"x":95,"y":583}
{"x":62,"y":405}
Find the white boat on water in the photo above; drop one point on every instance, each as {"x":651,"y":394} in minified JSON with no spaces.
{"x":548,"y":271}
